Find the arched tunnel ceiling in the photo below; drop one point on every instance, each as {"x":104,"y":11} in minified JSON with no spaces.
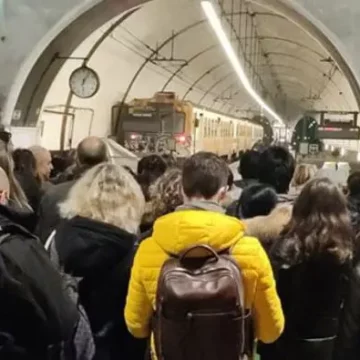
{"x":289,"y":68}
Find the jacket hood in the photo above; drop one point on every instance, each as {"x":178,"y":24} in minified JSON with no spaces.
{"x":86,"y":246}
{"x":268,"y":228}
{"x":10,"y":214}
{"x":184,"y":228}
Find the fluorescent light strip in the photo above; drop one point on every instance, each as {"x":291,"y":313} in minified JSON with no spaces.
{"x":220,"y":33}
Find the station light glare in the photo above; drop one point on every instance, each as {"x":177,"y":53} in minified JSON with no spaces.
{"x":215,"y":22}
{"x":342,"y":152}
{"x":358,"y":157}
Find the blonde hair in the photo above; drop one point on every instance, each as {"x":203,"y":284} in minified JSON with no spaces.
{"x":107,"y":193}
{"x":303,"y":173}
{"x":17,"y":195}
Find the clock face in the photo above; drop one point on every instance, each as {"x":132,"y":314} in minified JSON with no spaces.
{"x":84,"y":82}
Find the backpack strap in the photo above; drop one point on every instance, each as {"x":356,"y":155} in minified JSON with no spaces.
{"x":50,"y":240}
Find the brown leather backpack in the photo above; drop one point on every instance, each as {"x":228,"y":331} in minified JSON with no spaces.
{"x":200,"y":312}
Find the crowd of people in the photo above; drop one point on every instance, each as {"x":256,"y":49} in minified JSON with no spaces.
{"x":92,"y":261}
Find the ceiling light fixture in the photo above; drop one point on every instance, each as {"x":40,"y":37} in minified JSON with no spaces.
{"x":224,"y":41}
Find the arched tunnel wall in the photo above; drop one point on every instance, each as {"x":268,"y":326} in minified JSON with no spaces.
{"x":341,"y":33}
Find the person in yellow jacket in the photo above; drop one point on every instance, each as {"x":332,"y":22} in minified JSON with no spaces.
{"x":201,"y":220}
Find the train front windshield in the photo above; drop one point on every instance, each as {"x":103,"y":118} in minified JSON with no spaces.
{"x":143,"y":130}
{"x":155,"y":122}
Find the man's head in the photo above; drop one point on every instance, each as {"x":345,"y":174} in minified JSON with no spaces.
{"x":43,"y":162}
{"x":205,"y":176}
{"x":249,"y":162}
{"x":276,"y":168}
{"x":4,"y":187}
{"x":91,"y":151}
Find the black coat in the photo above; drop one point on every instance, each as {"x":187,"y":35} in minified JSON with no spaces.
{"x":102,"y":256}
{"x":34,"y":309}
{"x":311,"y":293}
{"x":23,"y":217}
{"x":48,"y":214}
{"x":348,"y":342}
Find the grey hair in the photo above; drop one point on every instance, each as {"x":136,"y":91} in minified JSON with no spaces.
{"x":107,"y":193}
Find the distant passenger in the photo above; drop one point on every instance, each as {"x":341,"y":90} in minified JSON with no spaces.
{"x":44,"y":165}
{"x":165,"y":197}
{"x":201,"y":220}
{"x":276,"y":168}
{"x":5,"y":137}
{"x":248,"y":168}
{"x":303,"y":174}
{"x":353,"y":188}
{"x":255,"y":200}
{"x":37,"y":317}
{"x":96,"y":243}
{"x":170,"y":160}
{"x":232,"y":194}
{"x":90,"y":152}
{"x":25,"y":173}
{"x":312,"y":260}
{"x":65,"y":167}
{"x":149,"y":169}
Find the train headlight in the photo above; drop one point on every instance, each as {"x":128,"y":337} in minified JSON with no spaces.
{"x":180,"y":138}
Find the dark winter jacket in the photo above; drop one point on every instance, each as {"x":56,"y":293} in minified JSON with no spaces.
{"x":101,"y":255}
{"x":348,"y":342}
{"x":34,"y":309}
{"x":23,"y":217}
{"x":242,"y":184}
{"x":311,"y":293}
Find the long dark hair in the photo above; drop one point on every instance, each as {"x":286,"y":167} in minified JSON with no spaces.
{"x":24,"y":162}
{"x":320,"y":224}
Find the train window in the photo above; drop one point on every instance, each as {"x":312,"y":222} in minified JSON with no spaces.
{"x":174,"y":123}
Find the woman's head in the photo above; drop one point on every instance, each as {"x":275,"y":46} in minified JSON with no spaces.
{"x":320,"y":222}
{"x":166,"y":193}
{"x":107,"y":193}
{"x":303,"y":174}
{"x":257,"y":200}
{"x":24,"y":161}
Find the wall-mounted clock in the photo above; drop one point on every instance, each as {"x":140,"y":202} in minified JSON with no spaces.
{"x":84,"y":82}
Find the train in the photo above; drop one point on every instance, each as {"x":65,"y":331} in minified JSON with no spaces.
{"x":163,"y":123}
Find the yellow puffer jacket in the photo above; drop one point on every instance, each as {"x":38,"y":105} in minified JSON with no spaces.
{"x":174,"y":233}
